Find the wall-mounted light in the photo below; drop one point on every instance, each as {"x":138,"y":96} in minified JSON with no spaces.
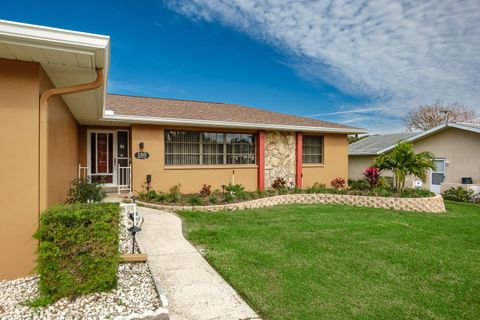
{"x":141,"y":145}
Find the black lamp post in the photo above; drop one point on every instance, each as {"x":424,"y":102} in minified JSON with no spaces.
{"x":133,"y":230}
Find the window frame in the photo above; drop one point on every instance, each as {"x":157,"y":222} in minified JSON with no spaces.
{"x":224,"y":154}
{"x":309,"y":145}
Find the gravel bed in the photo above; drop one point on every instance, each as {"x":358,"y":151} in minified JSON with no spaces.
{"x":135,"y":294}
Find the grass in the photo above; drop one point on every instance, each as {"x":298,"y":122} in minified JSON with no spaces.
{"x":341,"y":262}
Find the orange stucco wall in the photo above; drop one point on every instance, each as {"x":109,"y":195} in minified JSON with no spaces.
{"x":335,"y":162}
{"x":191,"y":178}
{"x":18,"y":166}
{"x":62,"y":145}
{"x":21,"y":85}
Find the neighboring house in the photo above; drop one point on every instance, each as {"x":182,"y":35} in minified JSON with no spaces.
{"x":456,"y":147}
{"x":51,"y":135}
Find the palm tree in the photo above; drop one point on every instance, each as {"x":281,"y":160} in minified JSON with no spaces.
{"x":403,"y":161}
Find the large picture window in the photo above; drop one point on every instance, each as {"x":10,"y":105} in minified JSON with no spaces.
{"x":208,"y":148}
{"x":312,"y":149}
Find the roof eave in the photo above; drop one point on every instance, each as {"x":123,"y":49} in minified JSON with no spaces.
{"x":429,"y":132}
{"x":226,"y":124}
{"x":362,"y":154}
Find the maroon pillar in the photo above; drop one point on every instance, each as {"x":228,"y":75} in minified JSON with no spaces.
{"x":261,"y":160}
{"x":298,"y":157}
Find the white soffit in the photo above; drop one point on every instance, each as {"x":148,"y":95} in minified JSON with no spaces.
{"x":68,"y":57}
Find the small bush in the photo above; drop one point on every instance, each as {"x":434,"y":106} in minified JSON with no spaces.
{"x":459,"y":194}
{"x":372,"y":176}
{"x":228,"y":197}
{"x":416,"y":193}
{"x":194,"y":200}
{"x":78,"y":252}
{"x":385,"y":182}
{"x":84,"y":191}
{"x":319,"y":186}
{"x":174,"y":195}
{"x":279,"y":183}
{"x":361,"y":185}
{"x":161,"y":197}
{"x":205,"y":191}
{"x":338,"y":183}
{"x":234,"y":189}
{"x":212,"y":199}
{"x":381,"y":192}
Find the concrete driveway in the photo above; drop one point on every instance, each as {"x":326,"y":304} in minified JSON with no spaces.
{"x":193,"y":288}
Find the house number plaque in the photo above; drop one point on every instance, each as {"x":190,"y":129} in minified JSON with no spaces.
{"x":141,"y":155}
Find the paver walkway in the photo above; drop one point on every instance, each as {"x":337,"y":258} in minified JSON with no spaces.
{"x":195,"y":291}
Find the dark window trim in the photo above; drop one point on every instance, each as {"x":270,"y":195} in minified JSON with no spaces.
{"x":229,"y":153}
{"x":320,"y":152}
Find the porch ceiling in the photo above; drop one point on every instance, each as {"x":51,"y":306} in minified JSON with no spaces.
{"x":68,"y":57}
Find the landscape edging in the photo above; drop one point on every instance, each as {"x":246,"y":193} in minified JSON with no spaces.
{"x":429,"y":204}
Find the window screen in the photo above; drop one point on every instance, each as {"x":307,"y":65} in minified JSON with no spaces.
{"x":208,"y":148}
{"x":312,"y":149}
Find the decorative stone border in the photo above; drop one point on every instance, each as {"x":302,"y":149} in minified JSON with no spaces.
{"x":430,"y":204}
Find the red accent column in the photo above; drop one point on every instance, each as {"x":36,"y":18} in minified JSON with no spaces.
{"x":261,"y":160}
{"x":298,"y":157}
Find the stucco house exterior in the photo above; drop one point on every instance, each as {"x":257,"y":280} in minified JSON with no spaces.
{"x":456,"y":147}
{"x":59,"y":123}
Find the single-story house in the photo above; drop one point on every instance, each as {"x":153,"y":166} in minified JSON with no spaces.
{"x":456,"y":147}
{"x":59,"y":123}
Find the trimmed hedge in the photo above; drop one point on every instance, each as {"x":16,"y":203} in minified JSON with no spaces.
{"x":78,"y":252}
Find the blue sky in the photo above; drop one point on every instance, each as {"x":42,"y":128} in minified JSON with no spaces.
{"x":356,"y":63}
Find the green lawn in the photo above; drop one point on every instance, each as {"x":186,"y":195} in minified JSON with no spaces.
{"x":341,"y":262}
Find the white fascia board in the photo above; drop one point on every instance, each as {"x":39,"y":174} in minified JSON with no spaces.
{"x":53,"y":36}
{"x":363,"y":154}
{"x":226,"y":124}
{"x":61,"y":40}
{"x":464,"y":127}
{"x":417,"y":136}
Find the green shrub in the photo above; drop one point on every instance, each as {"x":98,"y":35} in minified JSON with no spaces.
{"x":78,"y":252}
{"x":228,"y":197}
{"x":84,"y":191}
{"x":174,"y":195}
{"x":359,"y":184}
{"x":194,"y":200}
{"x":212,"y":199}
{"x":234,"y":188}
{"x":381,"y":192}
{"x":319,"y":186}
{"x":459,"y":194}
{"x":386,"y":182}
{"x":161,"y":197}
{"x":416,"y":193}
{"x":261,"y":194}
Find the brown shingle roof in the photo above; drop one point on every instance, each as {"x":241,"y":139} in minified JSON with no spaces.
{"x":209,"y":111}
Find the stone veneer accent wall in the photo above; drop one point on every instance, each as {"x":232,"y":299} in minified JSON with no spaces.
{"x":279,"y":156}
{"x":431,"y":204}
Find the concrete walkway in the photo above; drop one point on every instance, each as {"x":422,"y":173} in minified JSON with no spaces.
{"x":195,"y":291}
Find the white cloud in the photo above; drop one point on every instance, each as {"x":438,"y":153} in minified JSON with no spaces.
{"x":397,"y":53}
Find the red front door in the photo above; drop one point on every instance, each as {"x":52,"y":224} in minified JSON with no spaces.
{"x":101,"y":153}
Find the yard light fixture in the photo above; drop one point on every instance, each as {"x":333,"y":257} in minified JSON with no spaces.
{"x":133,"y":230}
